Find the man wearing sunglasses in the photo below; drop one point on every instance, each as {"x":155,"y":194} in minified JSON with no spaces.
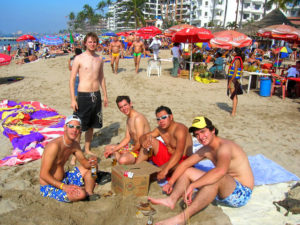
{"x":70,"y":186}
{"x":229,"y":183}
{"x":136,"y":126}
{"x":177,"y":144}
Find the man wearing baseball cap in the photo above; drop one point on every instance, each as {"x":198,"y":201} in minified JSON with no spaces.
{"x":229,"y":183}
{"x":67,"y":186}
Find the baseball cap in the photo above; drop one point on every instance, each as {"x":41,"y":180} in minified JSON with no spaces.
{"x":200,"y":122}
{"x":72,"y":118}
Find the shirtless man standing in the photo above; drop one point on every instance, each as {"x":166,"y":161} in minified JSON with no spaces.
{"x":177,"y":142}
{"x":88,"y":104}
{"x":55,"y":183}
{"x":114,"y":50}
{"x":230,"y":182}
{"x":137,"y":125}
{"x":129,"y":40}
{"x":139,"y":48}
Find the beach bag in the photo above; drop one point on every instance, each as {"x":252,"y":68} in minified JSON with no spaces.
{"x":292,"y":202}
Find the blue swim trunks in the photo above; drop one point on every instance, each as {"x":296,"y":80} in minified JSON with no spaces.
{"x":239,"y":197}
{"x":71,"y":177}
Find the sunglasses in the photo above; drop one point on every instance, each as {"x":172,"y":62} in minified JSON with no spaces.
{"x":162,"y":117}
{"x":73,"y":126}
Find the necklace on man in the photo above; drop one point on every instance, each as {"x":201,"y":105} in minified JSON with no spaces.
{"x":65,"y":144}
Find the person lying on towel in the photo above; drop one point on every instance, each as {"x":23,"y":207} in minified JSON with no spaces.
{"x":229,"y":183}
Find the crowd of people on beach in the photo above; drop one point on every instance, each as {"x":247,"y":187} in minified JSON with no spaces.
{"x":169,"y":145}
{"x":230,"y":182}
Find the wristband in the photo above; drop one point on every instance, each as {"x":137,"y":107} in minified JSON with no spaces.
{"x":61,"y":186}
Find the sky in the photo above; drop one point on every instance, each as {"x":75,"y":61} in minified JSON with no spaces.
{"x":41,"y":16}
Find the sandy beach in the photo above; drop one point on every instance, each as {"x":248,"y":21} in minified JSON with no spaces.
{"x":263,"y":125}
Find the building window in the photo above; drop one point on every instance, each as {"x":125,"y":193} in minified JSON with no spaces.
{"x":205,"y":14}
{"x":205,"y":24}
{"x":256,"y":17}
{"x":206,"y":3}
{"x":245,"y":16}
{"x":246,"y":5}
{"x":256,"y":6}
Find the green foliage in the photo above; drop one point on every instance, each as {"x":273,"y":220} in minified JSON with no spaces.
{"x":133,"y":11}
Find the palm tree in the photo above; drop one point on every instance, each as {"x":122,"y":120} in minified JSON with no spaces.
{"x":133,"y":10}
{"x":231,"y":25}
{"x":226,"y":4}
{"x":236,"y":12}
{"x":242,"y":12}
{"x":71,"y":20}
{"x":213,"y":14}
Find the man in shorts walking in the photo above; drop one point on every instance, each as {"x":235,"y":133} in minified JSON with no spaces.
{"x":88,"y":105}
{"x":115,"y":49}
{"x":67,"y":186}
{"x":136,"y":126}
{"x":139,"y":48}
{"x":229,"y":183}
{"x":175,"y":146}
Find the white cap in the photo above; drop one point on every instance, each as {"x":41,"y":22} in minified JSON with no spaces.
{"x":72,"y":118}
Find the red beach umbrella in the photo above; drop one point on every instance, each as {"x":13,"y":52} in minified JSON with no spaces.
{"x":26,"y":37}
{"x":122,"y":34}
{"x":228,"y":39}
{"x":280,"y":32}
{"x":172,"y":30}
{"x":148,"y":32}
{"x":4,"y":59}
{"x":192,"y":35}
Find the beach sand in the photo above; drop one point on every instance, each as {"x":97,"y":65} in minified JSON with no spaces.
{"x":263,"y":125}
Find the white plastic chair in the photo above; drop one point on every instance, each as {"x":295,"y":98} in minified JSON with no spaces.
{"x":154,"y":64}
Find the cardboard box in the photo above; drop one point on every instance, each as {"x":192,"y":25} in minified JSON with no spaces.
{"x":138,"y":185}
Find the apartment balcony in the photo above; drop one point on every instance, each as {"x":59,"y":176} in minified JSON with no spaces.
{"x":217,"y":7}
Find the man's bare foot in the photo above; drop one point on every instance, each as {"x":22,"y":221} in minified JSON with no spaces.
{"x":179,"y":219}
{"x":162,"y":201}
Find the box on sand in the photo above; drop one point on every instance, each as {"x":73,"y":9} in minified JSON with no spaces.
{"x":138,"y":185}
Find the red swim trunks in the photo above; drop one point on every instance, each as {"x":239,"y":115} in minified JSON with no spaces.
{"x":163,"y":156}
{"x":129,"y":43}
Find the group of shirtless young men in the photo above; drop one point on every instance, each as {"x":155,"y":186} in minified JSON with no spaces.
{"x":230,"y":182}
{"x":116,"y":51}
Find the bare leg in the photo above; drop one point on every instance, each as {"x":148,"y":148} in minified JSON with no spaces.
{"x":88,"y":180}
{"x":204,"y":197}
{"x":112,"y":63}
{"x":135,"y":62}
{"x":126,"y":158}
{"x":88,"y":140}
{"x":137,"y":67}
{"x":182,"y":183}
{"x":117,"y":64}
{"x":234,"y":103}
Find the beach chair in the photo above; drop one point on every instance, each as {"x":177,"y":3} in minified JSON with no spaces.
{"x":17,"y":55}
{"x":278,"y":81}
{"x":154,"y":64}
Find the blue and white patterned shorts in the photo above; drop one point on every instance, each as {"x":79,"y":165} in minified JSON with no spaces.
{"x":239,"y":197}
{"x":71,"y":177}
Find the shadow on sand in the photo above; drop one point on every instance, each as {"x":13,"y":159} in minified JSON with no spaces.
{"x":12,"y":79}
{"x":104,"y":136}
{"x":224,"y":106}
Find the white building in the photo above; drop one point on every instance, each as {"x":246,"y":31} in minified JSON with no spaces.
{"x":201,"y":13}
